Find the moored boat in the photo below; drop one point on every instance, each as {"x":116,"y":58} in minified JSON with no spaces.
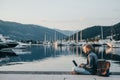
{"x":114,"y":44}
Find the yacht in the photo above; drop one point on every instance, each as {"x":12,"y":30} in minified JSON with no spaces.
{"x":114,"y":44}
{"x":6,"y":43}
{"x":22,"y":45}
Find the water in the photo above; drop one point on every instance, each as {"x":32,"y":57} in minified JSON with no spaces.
{"x":49,"y":58}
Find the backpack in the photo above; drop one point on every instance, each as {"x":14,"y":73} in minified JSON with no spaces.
{"x":103,"y":68}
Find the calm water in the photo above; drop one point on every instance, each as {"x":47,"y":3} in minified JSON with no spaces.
{"x":49,"y":58}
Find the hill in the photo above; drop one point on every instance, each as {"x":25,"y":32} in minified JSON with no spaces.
{"x":95,"y":32}
{"x":20,"y":31}
{"x":66,"y":32}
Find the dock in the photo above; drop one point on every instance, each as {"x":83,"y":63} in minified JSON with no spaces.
{"x":52,"y":75}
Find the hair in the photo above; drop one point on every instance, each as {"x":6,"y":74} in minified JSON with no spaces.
{"x":89,"y":46}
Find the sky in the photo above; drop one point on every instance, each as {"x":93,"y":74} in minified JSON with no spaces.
{"x":61,"y":14}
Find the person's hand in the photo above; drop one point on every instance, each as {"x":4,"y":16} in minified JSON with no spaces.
{"x":81,"y":65}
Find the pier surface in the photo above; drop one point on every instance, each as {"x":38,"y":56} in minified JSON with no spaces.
{"x":52,"y":75}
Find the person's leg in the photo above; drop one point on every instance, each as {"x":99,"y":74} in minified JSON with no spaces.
{"x":79,"y":70}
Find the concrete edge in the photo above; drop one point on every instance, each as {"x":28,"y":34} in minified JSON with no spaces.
{"x":46,"y":72}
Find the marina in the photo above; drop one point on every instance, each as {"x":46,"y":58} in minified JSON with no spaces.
{"x":38,"y":58}
{"x":55,"y":63}
{"x":59,"y":39}
{"x":60,"y":53}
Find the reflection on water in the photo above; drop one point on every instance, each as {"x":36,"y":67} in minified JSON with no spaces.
{"x":63,"y":55}
{"x":21,"y":51}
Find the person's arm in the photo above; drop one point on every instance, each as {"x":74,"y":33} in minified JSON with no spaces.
{"x":90,"y":62}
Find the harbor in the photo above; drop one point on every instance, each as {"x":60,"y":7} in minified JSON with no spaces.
{"x":38,"y":57}
{"x":59,"y":39}
{"x":16,"y":51}
{"x":34,"y":59}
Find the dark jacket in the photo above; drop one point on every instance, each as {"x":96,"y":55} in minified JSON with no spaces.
{"x":91,"y":65}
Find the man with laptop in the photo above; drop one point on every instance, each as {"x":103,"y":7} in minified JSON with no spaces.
{"x":91,"y":66}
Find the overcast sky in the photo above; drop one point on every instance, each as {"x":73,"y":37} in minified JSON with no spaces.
{"x":61,"y":14}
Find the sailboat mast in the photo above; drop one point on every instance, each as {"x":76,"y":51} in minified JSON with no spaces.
{"x":45,"y":38}
{"x":55,"y":36}
{"x":69,"y":37}
{"x":101,"y":32}
{"x":102,"y":39}
{"x":73,"y":37}
{"x":77,"y":37}
{"x":111,"y":34}
{"x":81,"y":35}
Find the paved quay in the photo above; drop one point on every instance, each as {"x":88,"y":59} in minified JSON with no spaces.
{"x":31,"y":75}
{"x":55,"y":77}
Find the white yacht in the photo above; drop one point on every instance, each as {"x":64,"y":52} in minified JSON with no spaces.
{"x":6,"y":43}
{"x":114,"y":44}
{"x":22,"y":45}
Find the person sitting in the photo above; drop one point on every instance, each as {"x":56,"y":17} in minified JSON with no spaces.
{"x":91,"y":66}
